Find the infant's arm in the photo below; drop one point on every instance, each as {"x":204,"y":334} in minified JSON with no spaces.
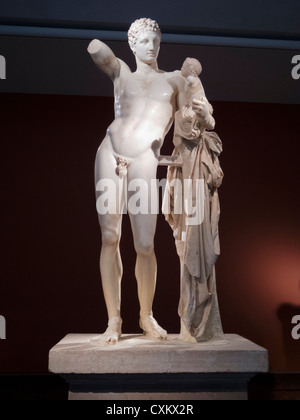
{"x":104,"y":58}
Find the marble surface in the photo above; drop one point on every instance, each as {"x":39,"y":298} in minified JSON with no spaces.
{"x":79,"y":354}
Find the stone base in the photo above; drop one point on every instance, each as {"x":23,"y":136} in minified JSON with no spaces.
{"x":144,"y":369}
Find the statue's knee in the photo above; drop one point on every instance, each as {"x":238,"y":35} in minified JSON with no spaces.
{"x":144,"y":247}
{"x":110,"y":239}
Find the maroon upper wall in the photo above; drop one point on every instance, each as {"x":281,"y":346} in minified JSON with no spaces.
{"x":50,"y":239}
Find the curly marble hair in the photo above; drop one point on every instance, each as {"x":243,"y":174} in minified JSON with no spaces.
{"x":139,"y":26}
{"x":191,"y":67}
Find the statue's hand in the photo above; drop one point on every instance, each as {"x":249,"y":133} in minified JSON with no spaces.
{"x":201,"y":107}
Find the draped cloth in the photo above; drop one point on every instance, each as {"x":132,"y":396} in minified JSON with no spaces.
{"x":197,"y":244}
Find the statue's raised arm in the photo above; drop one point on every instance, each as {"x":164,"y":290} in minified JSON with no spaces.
{"x":104,"y":58}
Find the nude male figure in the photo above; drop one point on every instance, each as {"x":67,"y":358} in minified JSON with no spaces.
{"x":145,"y":105}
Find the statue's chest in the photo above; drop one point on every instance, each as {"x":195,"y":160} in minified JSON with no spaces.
{"x":157,"y":89}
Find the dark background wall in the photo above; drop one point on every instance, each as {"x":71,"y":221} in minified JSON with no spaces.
{"x":230,"y":73}
{"x":270,"y":18}
{"x":50,"y":240}
{"x":246,"y":47}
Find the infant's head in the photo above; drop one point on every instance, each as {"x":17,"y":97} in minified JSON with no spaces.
{"x":191,"y":67}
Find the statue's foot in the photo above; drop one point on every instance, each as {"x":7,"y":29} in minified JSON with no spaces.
{"x":114,"y":331}
{"x":152,"y":329}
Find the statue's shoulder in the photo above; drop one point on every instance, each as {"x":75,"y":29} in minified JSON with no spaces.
{"x":176,"y":75}
{"x":177,"y":79}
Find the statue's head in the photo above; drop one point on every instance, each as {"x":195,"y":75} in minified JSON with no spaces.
{"x":144,"y":38}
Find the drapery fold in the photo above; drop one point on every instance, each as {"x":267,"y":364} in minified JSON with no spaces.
{"x":197,"y":243}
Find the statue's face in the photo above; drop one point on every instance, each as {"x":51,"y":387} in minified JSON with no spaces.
{"x":147,"y":47}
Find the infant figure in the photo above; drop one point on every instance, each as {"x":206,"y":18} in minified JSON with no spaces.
{"x":194,"y":91}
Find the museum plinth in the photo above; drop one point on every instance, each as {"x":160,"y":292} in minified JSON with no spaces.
{"x":138,"y":368}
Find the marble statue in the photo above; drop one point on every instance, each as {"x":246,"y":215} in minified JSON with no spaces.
{"x":145,"y":105}
{"x":197,"y":243}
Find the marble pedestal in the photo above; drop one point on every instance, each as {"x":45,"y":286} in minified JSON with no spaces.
{"x":143,"y":369}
